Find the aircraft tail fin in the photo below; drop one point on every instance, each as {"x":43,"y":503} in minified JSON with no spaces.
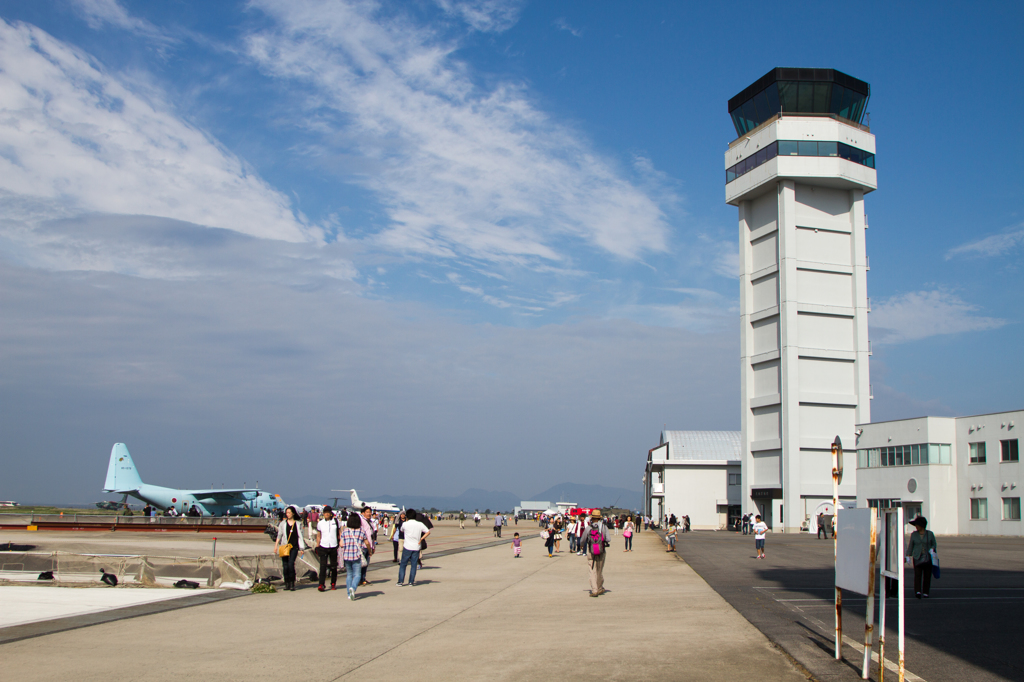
{"x":122,"y":476}
{"x":356,"y":504}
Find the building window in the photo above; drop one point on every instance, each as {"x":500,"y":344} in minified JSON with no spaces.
{"x":977,"y":453}
{"x":1011,"y":509}
{"x":904,"y":455}
{"x":799,"y":148}
{"x":979,"y":509}
{"x":734,"y":479}
{"x":1008,"y":450}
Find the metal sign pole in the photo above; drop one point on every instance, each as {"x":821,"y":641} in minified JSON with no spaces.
{"x":837,"y":477}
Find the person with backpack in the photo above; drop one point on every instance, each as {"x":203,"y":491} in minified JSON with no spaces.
{"x":595,"y":537}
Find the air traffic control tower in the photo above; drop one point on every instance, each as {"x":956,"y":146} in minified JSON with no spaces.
{"x":798,"y":172}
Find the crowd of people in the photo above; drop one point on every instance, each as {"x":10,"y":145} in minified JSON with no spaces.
{"x":351,"y":537}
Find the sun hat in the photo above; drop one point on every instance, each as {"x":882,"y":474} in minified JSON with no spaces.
{"x":596,"y":514}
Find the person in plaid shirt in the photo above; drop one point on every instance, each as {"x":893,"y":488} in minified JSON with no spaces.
{"x":353,"y":540}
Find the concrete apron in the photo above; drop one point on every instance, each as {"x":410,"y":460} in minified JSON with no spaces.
{"x":472,"y":615}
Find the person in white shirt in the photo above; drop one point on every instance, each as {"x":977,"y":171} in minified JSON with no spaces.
{"x":327,"y":533}
{"x":414,"y":532}
{"x":497,"y":524}
{"x":760,"y":528}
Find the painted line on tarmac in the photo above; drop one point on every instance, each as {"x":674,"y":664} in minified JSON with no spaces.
{"x":16,"y":633}
{"x":823,"y":630}
{"x":438,"y":624}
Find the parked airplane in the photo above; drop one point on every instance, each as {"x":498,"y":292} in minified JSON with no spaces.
{"x":358,"y":504}
{"x":123,"y":478}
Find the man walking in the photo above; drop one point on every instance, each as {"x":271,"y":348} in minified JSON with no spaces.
{"x":497,"y":524}
{"x":327,"y":533}
{"x":822,"y":532}
{"x":462,"y":519}
{"x":414,"y":533}
{"x":595,"y":537}
{"x":760,"y":528}
{"x":367,"y":526}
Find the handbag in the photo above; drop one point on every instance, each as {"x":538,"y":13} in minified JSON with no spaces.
{"x":363,"y":561}
{"x":935,"y":564}
{"x":284,"y":550}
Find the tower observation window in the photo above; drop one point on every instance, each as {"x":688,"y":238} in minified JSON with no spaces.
{"x":799,"y":148}
{"x":820,"y":92}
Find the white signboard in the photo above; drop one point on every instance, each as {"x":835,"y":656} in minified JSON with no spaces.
{"x":853,"y":551}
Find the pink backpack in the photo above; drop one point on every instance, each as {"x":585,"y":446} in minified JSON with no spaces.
{"x":595,"y":542}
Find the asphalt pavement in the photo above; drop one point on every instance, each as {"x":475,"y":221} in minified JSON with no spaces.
{"x":968,"y":630}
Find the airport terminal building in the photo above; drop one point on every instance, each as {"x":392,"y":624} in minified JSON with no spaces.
{"x":694,"y":473}
{"x":962,"y":473}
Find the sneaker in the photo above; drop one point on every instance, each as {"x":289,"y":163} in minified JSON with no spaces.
{"x":400,"y":584}
{"x":333,"y":586}
{"x":925,"y":595}
{"x":321,"y":588}
{"x":917,"y":594}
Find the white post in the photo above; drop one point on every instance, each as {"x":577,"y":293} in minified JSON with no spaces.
{"x":899,"y":520}
{"x":869,"y":617}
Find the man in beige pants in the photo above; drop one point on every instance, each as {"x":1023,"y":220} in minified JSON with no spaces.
{"x":595,"y":539}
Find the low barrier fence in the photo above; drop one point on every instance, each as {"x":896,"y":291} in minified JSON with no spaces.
{"x":229,"y":572}
{"x":222,"y":524}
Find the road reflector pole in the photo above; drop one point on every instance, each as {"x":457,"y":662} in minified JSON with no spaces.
{"x":837,"y":478}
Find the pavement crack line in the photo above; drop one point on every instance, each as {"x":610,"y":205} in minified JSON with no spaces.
{"x":440,"y":623}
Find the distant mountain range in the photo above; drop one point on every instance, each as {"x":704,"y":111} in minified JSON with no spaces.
{"x":476,"y":498}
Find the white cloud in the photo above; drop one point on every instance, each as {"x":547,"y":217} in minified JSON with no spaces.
{"x":994,"y":245}
{"x":563,"y":25}
{"x":920,"y":314}
{"x":492,"y":16}
{"x":100,"y":12}
{"x":77,"y":140}
{"x":462,"y":170}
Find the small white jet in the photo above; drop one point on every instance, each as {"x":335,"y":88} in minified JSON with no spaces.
{"x":358,"y":504}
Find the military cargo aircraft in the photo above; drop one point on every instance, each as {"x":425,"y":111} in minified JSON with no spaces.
{"x":123,"y":478}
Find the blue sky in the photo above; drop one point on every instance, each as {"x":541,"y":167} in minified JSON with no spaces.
{"x":428,"y":245}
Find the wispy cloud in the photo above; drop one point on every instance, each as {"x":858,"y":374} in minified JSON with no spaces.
{"x":98,"y":13}
{"x":993,"y":245}
{"x":462,"y":171}
{"x":491,"y":16}
{"x":921,"y":314}
{"x":562,"y":25}
{"x":76,"y":139}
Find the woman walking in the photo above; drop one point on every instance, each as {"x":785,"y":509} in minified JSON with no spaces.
{"x":549,"y":539}
{"x":353,"y":539}
{"x":289,"y":533}
{"x":558,"y":534}
{"x":397,"y":536}
{"x":922,"y":546}
{"x":627,"y":532}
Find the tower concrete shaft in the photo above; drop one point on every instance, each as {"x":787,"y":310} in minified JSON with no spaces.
{"x":798,"y":176}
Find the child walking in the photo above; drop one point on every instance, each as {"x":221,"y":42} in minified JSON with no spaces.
{"x":517,"y":545}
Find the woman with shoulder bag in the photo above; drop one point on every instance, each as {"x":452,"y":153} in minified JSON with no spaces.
{"x":922,"y":546}
{"x":289,"y":545}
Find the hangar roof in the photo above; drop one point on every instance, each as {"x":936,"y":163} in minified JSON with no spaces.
{"x":702,"y":445}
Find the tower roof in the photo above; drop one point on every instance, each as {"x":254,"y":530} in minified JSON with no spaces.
{"x":811,"y":92}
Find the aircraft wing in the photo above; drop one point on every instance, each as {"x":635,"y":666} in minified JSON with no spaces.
{"x":221,"y":494}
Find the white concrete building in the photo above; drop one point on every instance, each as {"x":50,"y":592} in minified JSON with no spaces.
{"x":798,"y":173}
{"x":963,"y":474}
{"x":694,"y":473}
